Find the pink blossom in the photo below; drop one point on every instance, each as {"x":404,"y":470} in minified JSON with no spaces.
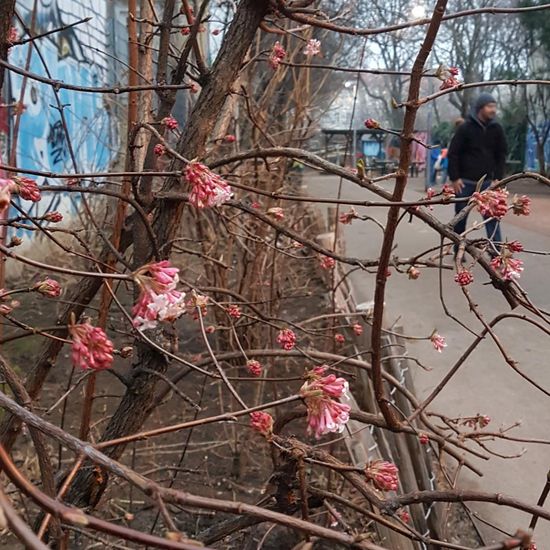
{"x":508,"y":267}
{"x":5,"y":309}
{"x":234,"y":311}
{"x":27,"y":188}
{"x":278,"y":53}
{"x":413,"y":273}
{"x":170,"y":122}
{"x":325,"y":415}
{"x":194,"y":89}
{"x":438,"y":341}
{"x":210,"y":329}
{"x":448,"y":192}
{"x":320,"y":383}
{"x":357,"y":329}
{"x":532,"y":546}
{"x":158,"y":299}
{"x":6,"y":188}
{"x":453,"y":71}
{"x":277,"y":212}
{"x":384,"y":475}
{"x":195,"y":303}
{"x":521,"y":206}
{"x":492,"y":203}
{"x":230,"y":138}
{"x":208,"y":189}
{"x":327,"y":262}
{"x":48,"y":287}
{"x":215,"y":32}
{"x":312,"y":48}
{"x":262,"y":422}
{"x":53,"y":217}
{"x":13,"y":36}
{"x":339,"y":338}
{"x":254,"y":367}
{"x":450,"y":82}
{"x":480,"y":420}
{"x":404,"y":515}
{"x":464,"y":277}
{"x":256,"y":205}
{"x":159,"y":149}
{"x":185,"y":31}
{"x":424,"y":439}
{"x":372,"y":124}
{"x":347,"y":217}
{"x":287,"y":339}
{"x":514,"y":246}
{"x":91,"y":349}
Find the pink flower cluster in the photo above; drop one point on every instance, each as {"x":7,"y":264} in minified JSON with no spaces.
{"x":521,"y":206}
{"x":372,"y":124}
{"x":481,"y":420}
{"x":27,"y":188}
{"x":208,"y":189}
{"x":262,"y":422}
{"x":357,"y":329}
{"x":277,"y":212}
{"x":54,"y":216}
{"x":13,"y":37}
{"x":438,"y":341}
{"x":424,"y":439}
{"x":492,"y":203}
{"x":287,"y":339}
{"x":327,"y":262}
{"x":464,"y":277}
{"x":324,"y":414}
{"x":448,"y":192}
{"x":413,"y":273}
{"x":347,"y":217}
{"x":313,"y":47}
{"x":514,"y":246}
{"x":254,"y":367}
{"x":384,"y":475}
{"x":158,"y":300}
{"x":507,"y":266}
{"x":170,"y":122}
{"x":48,"y":287}
{"x":91,"y":349}
{"x":448,"y":76}
{"x":339,"y":338}
{"x":278,"y":53}
{"x":159,"y":150}
{"x":234,"y":311}
{"x":195,"y":303}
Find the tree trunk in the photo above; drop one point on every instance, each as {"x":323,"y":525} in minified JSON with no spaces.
{"x":135,"y":406}
{"x":7,"y":8}
{"x":541,"y":158}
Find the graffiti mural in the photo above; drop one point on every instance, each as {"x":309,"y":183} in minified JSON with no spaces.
{"x":74,"y":56}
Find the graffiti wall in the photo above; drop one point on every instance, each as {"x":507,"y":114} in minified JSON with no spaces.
{"x":88,"y":139}
{"x":531,"y":160}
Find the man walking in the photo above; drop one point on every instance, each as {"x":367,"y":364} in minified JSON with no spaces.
{"x":478,"y":149}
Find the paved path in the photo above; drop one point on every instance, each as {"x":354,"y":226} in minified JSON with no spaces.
{"x":485,"y":384}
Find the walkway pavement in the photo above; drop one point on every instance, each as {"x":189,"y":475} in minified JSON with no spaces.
{"x":485,"y":384}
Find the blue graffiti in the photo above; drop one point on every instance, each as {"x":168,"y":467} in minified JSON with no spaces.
{"x":531,"y":160}
{"x":88,"y":139}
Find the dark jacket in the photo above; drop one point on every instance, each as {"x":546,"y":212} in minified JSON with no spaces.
{"x":477,"y":150}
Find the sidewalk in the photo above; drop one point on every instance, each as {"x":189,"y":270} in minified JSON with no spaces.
{"x":485,"y":383}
